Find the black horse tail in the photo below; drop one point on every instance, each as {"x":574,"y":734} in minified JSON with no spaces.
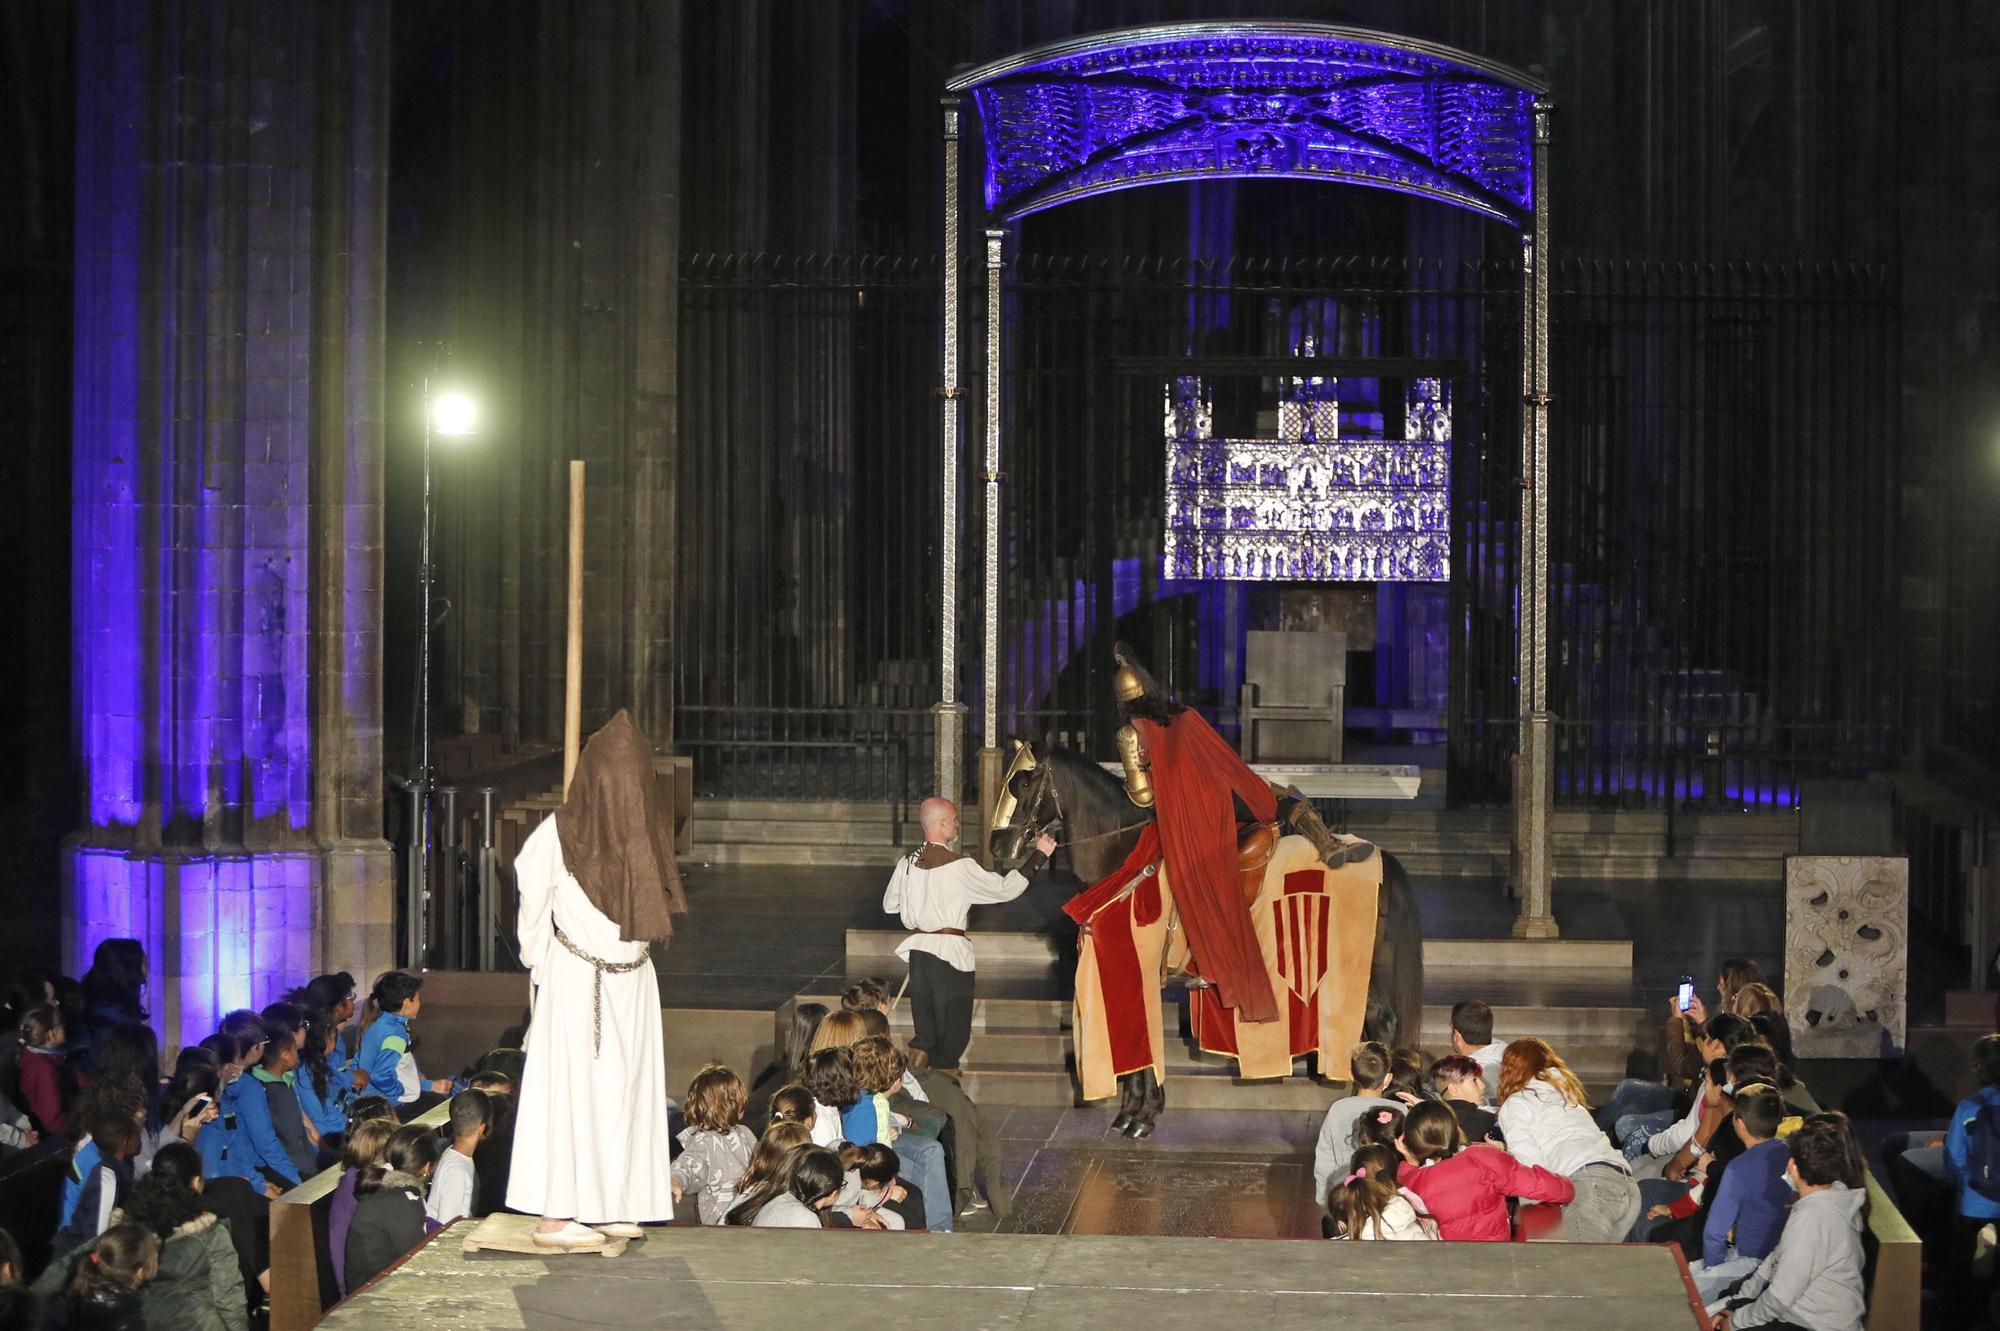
{"x":1395,"y":1014}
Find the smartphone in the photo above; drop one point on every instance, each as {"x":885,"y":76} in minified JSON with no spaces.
{"x":199,"y":1105}
{"x":1685,"y":998}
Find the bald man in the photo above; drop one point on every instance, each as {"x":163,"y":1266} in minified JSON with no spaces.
{"x":934,"y":889}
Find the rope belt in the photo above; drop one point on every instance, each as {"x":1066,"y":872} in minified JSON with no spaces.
{"x":598,"y":967}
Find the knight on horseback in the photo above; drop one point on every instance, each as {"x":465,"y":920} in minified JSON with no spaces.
{"x":1213,"y":894}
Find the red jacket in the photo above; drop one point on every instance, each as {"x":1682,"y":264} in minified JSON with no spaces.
{"x":46,"y":1088}
{"x":1468,"y":1193}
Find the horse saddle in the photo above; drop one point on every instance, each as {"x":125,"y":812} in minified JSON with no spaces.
{"x":1255,"y":845}
{"x":1254,"y":849}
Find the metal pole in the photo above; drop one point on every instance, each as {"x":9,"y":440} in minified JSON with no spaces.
{"x":413,"y":886}
{"x":451,"y":929}
{"x":488,"y":898}
{"x":948,"y":715}
{"x":1534,"y":793}
{"x":989,"y":732}
{"x":422,"y":824}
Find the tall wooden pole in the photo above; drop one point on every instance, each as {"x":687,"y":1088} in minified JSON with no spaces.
{"x":573,"y":662}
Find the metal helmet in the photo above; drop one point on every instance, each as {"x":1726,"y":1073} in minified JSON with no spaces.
{"x":1130,"y":682}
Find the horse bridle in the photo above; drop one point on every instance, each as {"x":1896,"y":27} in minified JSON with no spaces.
{"x":1035,"y":829}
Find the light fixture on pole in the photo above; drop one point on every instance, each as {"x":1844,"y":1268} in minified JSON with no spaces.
{"x":448,"y":414}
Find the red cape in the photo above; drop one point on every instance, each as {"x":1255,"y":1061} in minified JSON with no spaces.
{"x":1195,"y":773}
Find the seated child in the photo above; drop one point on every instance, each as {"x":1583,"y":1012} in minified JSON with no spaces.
{"x":1466,"y":1187}
{"x":1369,"y":1204}
{"x":829,"y":1076}
{"x":100,"y":1170}
{"x":772,"y":1149}
{"x":873,"y":1171}
{"x":384,"y":1065}
{"x":104,"y":1292}
{"x":715,"y":1146}
{"x":793,"y":1103}
{"x":1368,"y":1065}
{"x":454,"y":1190}
{"x":495,"y":1159}
{"x":366,"y":1140}
{"x":272,"y":1121}
{"x":1748,"y":1214}
{"x":389,"y":1213}
{"x":1813,"y":1277}
{"x":878,"y":1068}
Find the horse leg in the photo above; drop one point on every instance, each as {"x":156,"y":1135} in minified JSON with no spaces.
{"x":1395,"y":1012}
{"x":1152,"y":1099}
{"x":1128,"y":1102}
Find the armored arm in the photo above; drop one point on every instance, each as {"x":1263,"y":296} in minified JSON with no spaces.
{"x":1138,"y":772}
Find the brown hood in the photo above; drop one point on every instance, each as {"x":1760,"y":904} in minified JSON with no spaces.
{"x":617,"y":834}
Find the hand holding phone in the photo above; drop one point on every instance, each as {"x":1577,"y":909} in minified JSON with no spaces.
{"x":1684,"y":998}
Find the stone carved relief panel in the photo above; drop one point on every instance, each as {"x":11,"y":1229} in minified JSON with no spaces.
{"x":1847,"y":954}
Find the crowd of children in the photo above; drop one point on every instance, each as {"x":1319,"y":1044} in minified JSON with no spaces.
{"x":1765,"y":1195}
{"x":162,"y":1216}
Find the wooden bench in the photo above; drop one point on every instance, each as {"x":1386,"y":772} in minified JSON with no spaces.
{"x":302,"y":1283}
{"x":1893,"y":1265}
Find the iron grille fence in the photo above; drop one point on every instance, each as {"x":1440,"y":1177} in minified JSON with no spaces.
{"x":1724,"y":524}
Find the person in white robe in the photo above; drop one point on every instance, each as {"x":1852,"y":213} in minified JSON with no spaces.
{"x":934,"y":890}
{"x":597,"y":884}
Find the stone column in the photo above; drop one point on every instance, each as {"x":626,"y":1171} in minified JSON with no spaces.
{"x":227,"y":497}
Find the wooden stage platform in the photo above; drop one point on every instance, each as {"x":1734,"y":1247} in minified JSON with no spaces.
{"x":759,"y":1279}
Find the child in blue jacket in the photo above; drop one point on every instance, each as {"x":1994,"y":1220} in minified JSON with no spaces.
{"x":273,"y":1125}
{"x":378,"y":1065}
{"x":324,"y":1089}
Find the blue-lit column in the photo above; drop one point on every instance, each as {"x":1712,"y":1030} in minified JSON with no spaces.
{"x":227,"y":496}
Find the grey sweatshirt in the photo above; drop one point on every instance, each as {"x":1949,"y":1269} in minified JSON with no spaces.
{"x":710,"y":1165}
{"x":1814,"y":1276}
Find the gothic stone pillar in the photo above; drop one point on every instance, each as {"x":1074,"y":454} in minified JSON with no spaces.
{"x":227,"y":496}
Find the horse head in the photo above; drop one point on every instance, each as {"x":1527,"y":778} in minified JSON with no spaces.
{"x":1025,"y":810}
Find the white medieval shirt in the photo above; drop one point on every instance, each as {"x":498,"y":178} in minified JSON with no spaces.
{"x":936,"y":888}
{"x":590,"y":1136}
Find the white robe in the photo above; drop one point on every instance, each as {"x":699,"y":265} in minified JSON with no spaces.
{"x":590,"y":1135}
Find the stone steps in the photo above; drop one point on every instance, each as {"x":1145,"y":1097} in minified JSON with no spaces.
{"x":1020,"y":1049}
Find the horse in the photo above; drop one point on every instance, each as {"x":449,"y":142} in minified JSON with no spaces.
{"x":1085,"y":807}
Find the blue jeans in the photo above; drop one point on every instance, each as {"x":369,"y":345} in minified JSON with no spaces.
{"x":1713,"y":1279}
{"x":1633,"y":1131}
{"x":1634,"y":1097}
{"x":1652,"y":1192}
{"x":923,"y":1159}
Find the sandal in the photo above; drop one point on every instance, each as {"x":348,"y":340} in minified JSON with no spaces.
{"x":572,"y":1237}
{"x":620,"y":1229}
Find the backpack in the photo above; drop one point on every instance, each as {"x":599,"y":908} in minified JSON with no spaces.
{"x":1982,"y":1152}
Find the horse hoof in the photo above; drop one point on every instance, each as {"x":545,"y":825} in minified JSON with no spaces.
{"x":1140,"y":1130}
{"x":1121,"y":1123}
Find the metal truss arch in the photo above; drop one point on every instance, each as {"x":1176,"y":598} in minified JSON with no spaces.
{"x":1182,"y":102}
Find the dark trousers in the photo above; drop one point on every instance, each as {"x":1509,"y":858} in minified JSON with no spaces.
{"x":941,"y":1008}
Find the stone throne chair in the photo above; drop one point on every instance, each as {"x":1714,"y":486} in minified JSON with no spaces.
{"x":1294,"y":697}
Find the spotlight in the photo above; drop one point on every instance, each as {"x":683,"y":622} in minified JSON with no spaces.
{"x":454,"y":415}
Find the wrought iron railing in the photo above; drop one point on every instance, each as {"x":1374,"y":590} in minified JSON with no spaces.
{"x":1652,"y":764}
{"x":871,"y":755}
